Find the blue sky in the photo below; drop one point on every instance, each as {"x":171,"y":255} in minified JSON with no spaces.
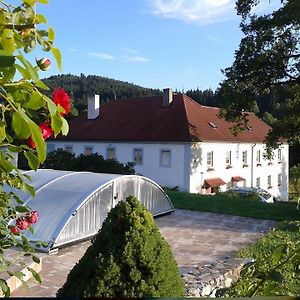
{"x":182,"y":44}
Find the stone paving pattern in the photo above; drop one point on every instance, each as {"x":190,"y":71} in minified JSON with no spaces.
{"x":196,"y":238}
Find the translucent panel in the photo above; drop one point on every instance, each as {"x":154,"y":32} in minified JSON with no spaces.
{"x":89,"y":217}
{"x":73,"y":205}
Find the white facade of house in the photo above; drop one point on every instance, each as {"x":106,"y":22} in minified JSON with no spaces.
{"x":188,"y":165}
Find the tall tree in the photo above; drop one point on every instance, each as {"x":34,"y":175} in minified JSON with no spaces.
{"x":267,"y":62}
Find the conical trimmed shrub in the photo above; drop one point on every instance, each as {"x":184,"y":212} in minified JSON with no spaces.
{"x":128,"y":258}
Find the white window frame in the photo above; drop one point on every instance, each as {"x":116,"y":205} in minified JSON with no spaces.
{"x":161,"y":163}
{"x":258,"y":156}
{"x":279,"y":179}
{"x":210,"y":159}
{"x":269,"y":180}
{"x":107,"y":151}
{"x":244,"y":157}
{"x":228,"y":158}
{"x":258,"y":182}
{"x":279,"y":155}
{"x":88,"y":147}
{"x":135,"y":151}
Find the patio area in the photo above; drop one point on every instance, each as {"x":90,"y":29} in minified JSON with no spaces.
{"x":196,"y":238}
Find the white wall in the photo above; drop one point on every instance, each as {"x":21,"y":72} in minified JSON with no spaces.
{"x":175,"y":175}
{"x":200,"y":172}
{"x":189,"y":168}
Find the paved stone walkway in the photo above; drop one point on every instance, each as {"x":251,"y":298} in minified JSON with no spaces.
{"x":196,"y":238}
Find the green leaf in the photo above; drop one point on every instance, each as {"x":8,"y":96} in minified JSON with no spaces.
{"x":40,"y":19}
{"x":33,"y":161}
{"x":15,"y":149}
{"x":2,"y":132}
{"x":56,"y":124}
{"x":38,"y":140}
{"x":21,"y":209}
{"x":36,"y":136}
{"x":276,"y":276}
{"x":18,"y":274}
{"x":4,"y":287}
{"x":36,"y":275}
{"x":6,"y":60}
{"x":57,"y":56}
{"x":51,"y":106}
{"x":31,"y":70}
{"x":30,"y":2}
{"x":24,"y":72}
{"x":36,"y":101}
{"x":30,"y":189}
{"x":51,"y":34}
{"x":36,"y":259}
{"x":43,"y":1}
{"x":8,"y":41}
{"x":20,"y":126}
{"x":41,"y":85}
{"x":65,"y":127}
{"x":278,"y":253}
{"x":6,"y":165}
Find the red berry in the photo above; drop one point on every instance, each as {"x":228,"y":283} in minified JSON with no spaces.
{"x":32,"y":217}
{"x":22,"y":223}
{"x":14,"y":230}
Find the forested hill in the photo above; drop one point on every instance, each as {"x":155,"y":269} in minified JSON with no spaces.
{"x":79,"y":87}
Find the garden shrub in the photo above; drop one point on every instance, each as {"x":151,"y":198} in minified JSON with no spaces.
{"x":276,"y":270}
{"x":128,"y":258}
{"x":61,"y":159}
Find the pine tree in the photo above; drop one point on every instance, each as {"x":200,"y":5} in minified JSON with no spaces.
{"x":128,"y":258}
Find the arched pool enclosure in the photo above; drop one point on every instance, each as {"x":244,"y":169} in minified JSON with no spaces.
{"x":73,"y":205}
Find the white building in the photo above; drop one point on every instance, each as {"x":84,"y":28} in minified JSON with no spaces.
{"x":177,"y":142}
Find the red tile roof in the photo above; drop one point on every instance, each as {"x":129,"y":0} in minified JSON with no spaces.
{"x":213,"y":182}
{"x":145,"y":119}
{"x":237,"y":178}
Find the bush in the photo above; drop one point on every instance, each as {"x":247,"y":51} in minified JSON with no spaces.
{"x":128,"y":258}
{"x":63,"y":160}
{"x":276,"y":268}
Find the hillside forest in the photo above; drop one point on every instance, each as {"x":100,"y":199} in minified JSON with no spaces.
{"x":267,"y":107}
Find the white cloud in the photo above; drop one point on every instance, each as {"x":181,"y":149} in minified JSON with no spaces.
{"x":198,"y":11}
{"x":101,"y":55}
{"x":133,"y":56}
{"x":215,"y":39}
{"x":73,"y":49}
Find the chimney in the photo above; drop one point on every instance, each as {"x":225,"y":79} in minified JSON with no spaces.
{"x":93,"y":107}
{"x":168,"y":97}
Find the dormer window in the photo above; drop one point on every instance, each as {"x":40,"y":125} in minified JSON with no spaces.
{"x":212,"y":125}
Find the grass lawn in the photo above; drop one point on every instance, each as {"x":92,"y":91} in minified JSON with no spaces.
{"x":232,"y":205}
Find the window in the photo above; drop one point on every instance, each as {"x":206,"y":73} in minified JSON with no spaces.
{"x":279,"y":156}
{"x":50,"y":148}
{"x":210,"y":159}
{"x":88,"y":150}
{"x":258,"y":182}
{"x":228,"y":158}
{"x":244,"y":157}
{"x":138,"y":156}
{"x":111,"y":153}
{"x":165,"y":158}
{"x":279,"y":179}
{"x":269,"y":181}
{"x":69,"y":149}
{"x":212,"y":125}
{"x":258,"y":156}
